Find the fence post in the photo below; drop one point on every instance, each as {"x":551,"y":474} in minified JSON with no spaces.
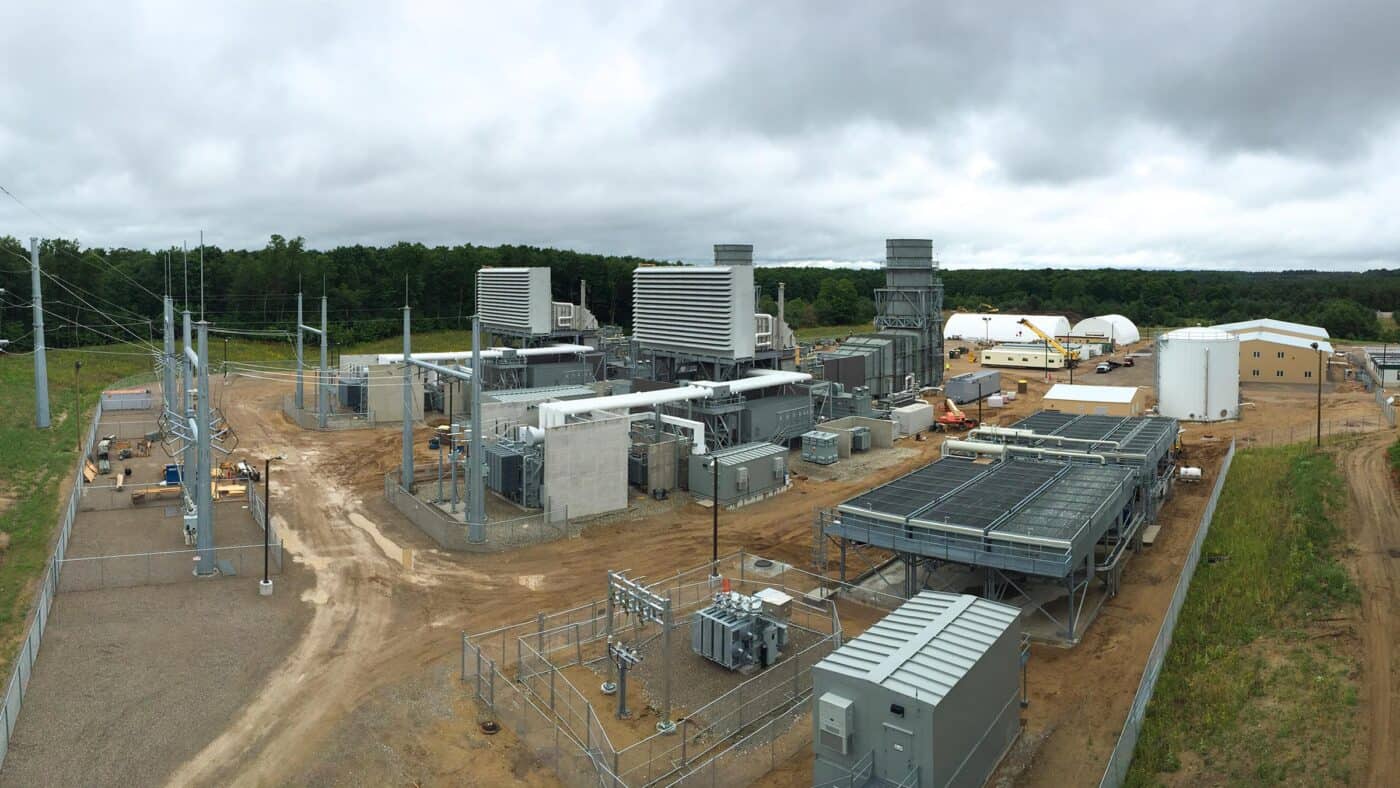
{"x":552,"y":671}
{"x":578,"y":644}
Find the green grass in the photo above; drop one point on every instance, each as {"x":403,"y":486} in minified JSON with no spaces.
{"x":823,"y":332}
{"x":1257,"y":687}
{"x":35,"y":463}
{"x":1394,"y":453}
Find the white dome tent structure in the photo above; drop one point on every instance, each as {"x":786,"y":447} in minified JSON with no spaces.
{"x":1115,"y":328}
{"x":1002,"y":328}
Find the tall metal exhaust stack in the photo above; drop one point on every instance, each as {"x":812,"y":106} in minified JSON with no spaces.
{"x":41,"y":363}
{"x":476,"y":506}
{"x":782,"y":309}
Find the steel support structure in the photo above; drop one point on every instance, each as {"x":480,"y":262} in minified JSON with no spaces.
{"x":169,"y":361}
{"x":41,"y":364}
{"x":322,"y":375}
{"x":645,"y":606}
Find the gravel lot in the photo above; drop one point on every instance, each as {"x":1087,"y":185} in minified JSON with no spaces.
{"x":173,"y":662}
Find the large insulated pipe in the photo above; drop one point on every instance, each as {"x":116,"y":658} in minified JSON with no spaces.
{"x":1009,"y":432}
{"x":458,"y":355}
{"x":1002,"y":449}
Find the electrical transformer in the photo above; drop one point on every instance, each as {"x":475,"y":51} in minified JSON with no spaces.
{"x":739,"y":631}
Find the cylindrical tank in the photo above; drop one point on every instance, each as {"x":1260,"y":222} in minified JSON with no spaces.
{"x":1198,"y":374}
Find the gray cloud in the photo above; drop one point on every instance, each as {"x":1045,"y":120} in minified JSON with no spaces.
{"x":1248,"y":134}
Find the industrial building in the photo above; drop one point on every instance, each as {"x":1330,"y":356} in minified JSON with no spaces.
{"x":1062,"y":502}
{"x":905,"y":352}
{"x":928,"y":696}
{"x":1301,"y":330}
{"x":1098,"y":400}
{"x":1198,"y":374}
{"x":1383,"y":365}
{"x":989,"y":328}
{"x":1271,"y":357}
{"x":1116,"y":329}
{"x":1024,"y":356}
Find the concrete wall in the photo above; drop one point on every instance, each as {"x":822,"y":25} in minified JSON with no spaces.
{"x":1277,"y":363}
{"x":585,"y":467}
{"x":385,"y":394}
{"x":881,"y":432}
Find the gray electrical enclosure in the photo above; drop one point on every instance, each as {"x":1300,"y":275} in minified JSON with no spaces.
{"x":860,"y":439}
{"x":972,"y":386}
{"x":820,"y":447}
{"x":745,"y":472}
{"x":928,"y":696}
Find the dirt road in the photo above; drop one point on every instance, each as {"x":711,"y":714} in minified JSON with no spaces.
{"x":1374,"y":527}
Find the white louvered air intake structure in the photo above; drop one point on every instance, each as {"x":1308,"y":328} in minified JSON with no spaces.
{"x":700,"y":310}
{"x":515,"y":299}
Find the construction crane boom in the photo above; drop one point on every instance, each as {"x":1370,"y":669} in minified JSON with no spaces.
{"x":1070,"y":355}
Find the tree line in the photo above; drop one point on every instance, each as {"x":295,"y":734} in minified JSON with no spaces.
{"x":97,"y":295}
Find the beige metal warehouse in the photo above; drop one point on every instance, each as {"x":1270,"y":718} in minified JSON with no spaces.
{"x":1270,"y":357}
{"x":1096,"y":400}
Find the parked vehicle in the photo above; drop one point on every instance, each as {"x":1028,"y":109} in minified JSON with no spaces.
{"x":1103,"y":368}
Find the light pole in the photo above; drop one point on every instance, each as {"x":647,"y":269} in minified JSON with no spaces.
{"x":714,"y":516}
{"x":1319,"y":394}
{"x":265,"y":587}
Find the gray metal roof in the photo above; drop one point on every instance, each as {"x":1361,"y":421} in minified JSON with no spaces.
{"x":924,"y":647}
{"x":748,"y":452}
{"x":541,"y":394}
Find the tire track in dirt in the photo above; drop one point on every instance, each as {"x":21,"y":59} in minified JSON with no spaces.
{"x":1374,"y":525}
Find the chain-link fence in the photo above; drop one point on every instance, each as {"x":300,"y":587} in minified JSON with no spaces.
{"x":730,"y":740}
{"x":44,"y":598}
{"x":451,"y":531}
{"x":1331,"y":429}
{"x":163,"y":568}
{"x":1122,"y":757}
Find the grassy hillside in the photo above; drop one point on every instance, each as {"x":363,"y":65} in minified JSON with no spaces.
{"x":1258,"y":686}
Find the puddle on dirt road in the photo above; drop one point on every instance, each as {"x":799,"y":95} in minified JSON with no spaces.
{"x":388,"y":546}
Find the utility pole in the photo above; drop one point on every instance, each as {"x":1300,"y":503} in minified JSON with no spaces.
{"x":41,"y":363}
{"x":476,"y":498}
{"x":204,"y":498}
{"x":323,"y":400}
{"x":714,"y":516}
{"x":406,"y":469}
{"x":1318,"y":351}
{"x":300,"y":397}
{"x":265,"y":587}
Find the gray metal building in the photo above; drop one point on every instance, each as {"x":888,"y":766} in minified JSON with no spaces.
{"x":746,"y":472}
{"x":972,"y":386}
{"x":928,"y":696}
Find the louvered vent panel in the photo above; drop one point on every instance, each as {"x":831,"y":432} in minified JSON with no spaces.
{"x":706,"y":311}
{"x":517,"y":299}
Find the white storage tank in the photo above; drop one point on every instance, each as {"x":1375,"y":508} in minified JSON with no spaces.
{"x":1198,"y":374}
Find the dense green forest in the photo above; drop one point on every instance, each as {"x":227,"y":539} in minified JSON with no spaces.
{"x":256,"y":290}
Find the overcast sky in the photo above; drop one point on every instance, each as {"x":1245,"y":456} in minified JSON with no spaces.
{"x":1251,"y":135}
